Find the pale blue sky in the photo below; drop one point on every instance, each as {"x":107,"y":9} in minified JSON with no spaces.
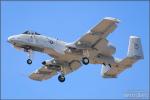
{"x":68,"y":21}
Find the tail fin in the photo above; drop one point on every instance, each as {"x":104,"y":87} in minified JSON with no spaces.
{"x":135,"y":52}
{"x":135,"y":48}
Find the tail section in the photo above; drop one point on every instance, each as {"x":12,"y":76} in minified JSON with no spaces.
{"x":134,"y":54}
{"x":135,"y":48}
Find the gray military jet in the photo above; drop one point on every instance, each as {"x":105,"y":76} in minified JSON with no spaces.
{"x":93,"y":47}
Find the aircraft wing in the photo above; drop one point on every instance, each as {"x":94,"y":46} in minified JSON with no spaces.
{"x":97,"y":33}
{"x":46,"y":72}
{"x":43,"y":74}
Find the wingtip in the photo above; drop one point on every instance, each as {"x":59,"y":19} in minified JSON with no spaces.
{"x":32,"y":77}
{"x":111,"y":18}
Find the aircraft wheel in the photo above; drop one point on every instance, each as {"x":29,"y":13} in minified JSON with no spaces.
{"x":29,"y":61}
{"x":61,"y":78}
{"x":85,"y":60}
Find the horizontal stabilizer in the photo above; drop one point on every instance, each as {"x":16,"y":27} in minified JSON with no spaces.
{"x":108,"y":72}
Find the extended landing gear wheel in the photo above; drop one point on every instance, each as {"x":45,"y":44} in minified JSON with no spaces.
{"x":29,"y":61}
{"x":61,"y":78}
{"x":85,"y":60}
{"x":29,"y":51}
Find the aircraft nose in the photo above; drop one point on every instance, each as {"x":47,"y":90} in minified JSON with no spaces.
{"x":10,"y":39}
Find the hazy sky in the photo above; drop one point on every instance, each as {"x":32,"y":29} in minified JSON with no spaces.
{"x":68,"y":21}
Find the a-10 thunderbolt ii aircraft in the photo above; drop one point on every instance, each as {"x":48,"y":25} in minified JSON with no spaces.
{"x":93,"y":47}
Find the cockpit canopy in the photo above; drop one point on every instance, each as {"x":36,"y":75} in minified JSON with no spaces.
{"x":31,"y":33}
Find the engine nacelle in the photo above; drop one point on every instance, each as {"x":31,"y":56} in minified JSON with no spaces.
{"x":111,"y":48}
{"x":106,"y":48}
{"x":46,"y":62}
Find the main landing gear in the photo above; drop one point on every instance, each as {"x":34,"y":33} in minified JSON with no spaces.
{"x":85,"y":60}
{"x":61,"y":78}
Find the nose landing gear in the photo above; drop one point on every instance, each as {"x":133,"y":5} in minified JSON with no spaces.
{"x":29,"y":61}
{"x":85,"y":59}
